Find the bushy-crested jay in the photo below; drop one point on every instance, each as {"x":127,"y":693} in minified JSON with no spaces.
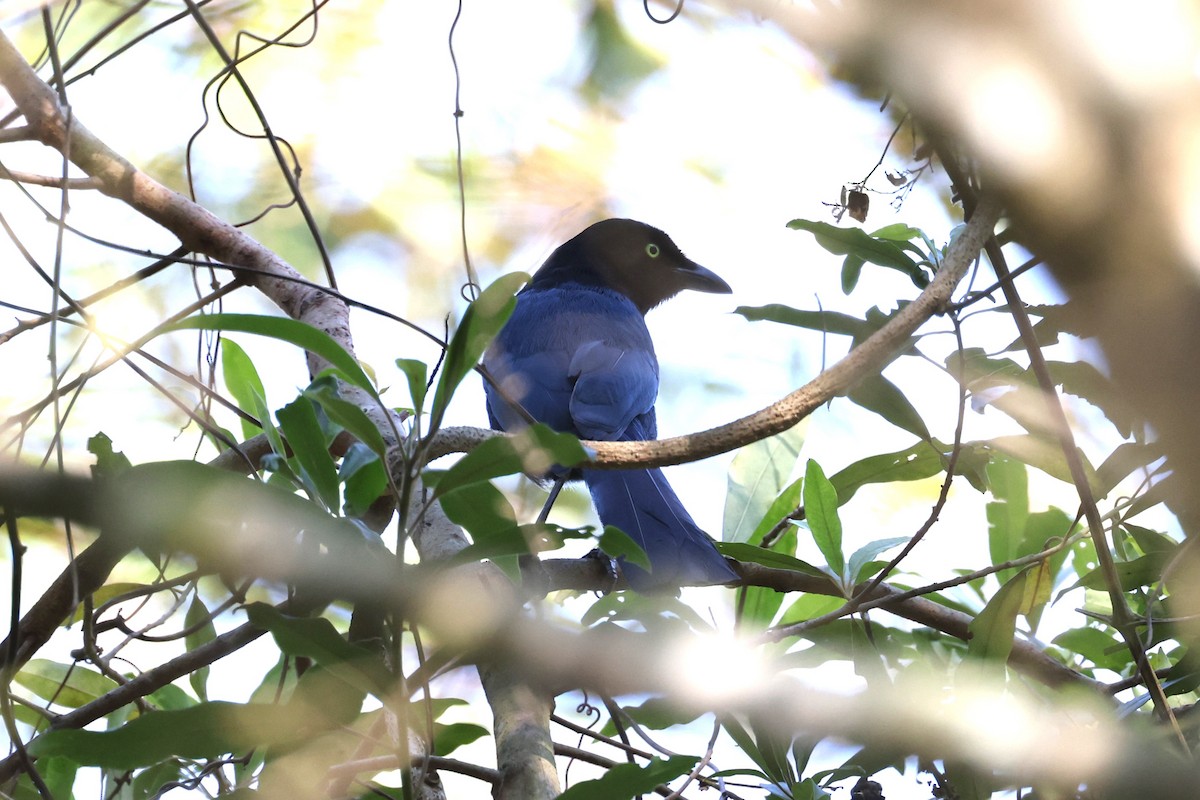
{"x":577,"y":356}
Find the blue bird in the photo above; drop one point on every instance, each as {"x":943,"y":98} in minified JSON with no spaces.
{"x":576,"y":355}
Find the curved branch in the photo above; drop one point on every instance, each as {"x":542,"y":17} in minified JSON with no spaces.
{"x":864,"y":360}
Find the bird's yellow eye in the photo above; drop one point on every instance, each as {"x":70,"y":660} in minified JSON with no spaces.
{"x":652,"y":250}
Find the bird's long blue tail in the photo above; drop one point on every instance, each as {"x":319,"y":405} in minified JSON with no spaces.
{"x":642,"y":504}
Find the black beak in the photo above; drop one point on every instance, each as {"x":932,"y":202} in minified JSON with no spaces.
{"x":697,"y":278}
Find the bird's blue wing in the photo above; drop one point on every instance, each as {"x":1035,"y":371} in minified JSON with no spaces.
{"x":614,"y":385}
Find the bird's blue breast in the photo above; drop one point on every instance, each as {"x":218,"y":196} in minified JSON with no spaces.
{"x":553,"y":335}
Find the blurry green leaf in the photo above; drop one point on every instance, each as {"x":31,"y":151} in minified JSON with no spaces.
{"x":169,"y":697}
{"x":782,"y":507}
{"x":831,"y":322}
{"x":197,"y":617}
{"x":897,"y":232}
{"x":449,"y":737}
{"x":768,"y":558}
{"x":1144,"y":571}
{"x":918,"y":462}
{"x":1150,"y":541}
{"x":68,"y":685}
{"x":820,"y":507}
{"x":618,"y":544}
{"x":418,"y":377}
{"x":851,"y":272}
{"x":1123,"y":461}
{"x":243,"y":382}
{"x":1038,"y":583}
{"x":855,"y":242}
{"x":148,"y":782}
{"x":57,"y":774}
{"x":617,"y":64}
{"x":1100,"y":646}
{"x":863,"y":556}
{"x":203,"y":731}
{"x":324,"y":392}
{"x":364,"y":478}
{"x":298,"y":421}
{"x":757,"y":475}
{"x":1009,"y":508}
{"x":287,"y":330}
{"x":316,"y":638}
{"x":809,"y":606}
{"x":626,"y":781}
{"x":876,"y":393}
{"x":1042,"y":453}
{"x":993,"y":629}
{"x":533,"y":450}
{"x":1085,"y":381}
{"x":487,"y":515}
{"x":482,"y":320}
{"x":656,"y":713}
{"x":108,"y":461}
{"x":761,"y":604}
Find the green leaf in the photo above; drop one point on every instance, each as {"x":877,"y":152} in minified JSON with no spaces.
{"x":316,"y":638}
{"x":1151,"y":541}
{"x":993,"y":629}
{"x":298,"y":421}
{"x":1123,"y":461}
{"x":1101,"y":647}
{"x":618,"y":544}
{"x":109,"y":462}
{"x":448,"y":738}
{"x":830,"y":322}
{"x":897,"y":232}
{"x":364,"y":478}
{"x":876,"y":393}
{"x":656,"y":713}
{"x":533,"y":450}
{"x":851,"y":271}
{"x":482,"y":320}
{"x":1042,"y":453}
{"x":243,"y":382}
{"x":781,"y":508}
{"x":757,"y":475}
{"x":856,"y":243}
{"x":820,"y":507}
{"x":487,"y":515}
{"x":768,"y":558}
{"x":67,"y":685}
{"x":203,"y":731}
{"x":626,"y":781}
{"x":760,"y":604}
{"x":863,"y":556}
{"x":324,"y":392}
{"x":418,"y":378}
{"x":148,"y":782}
{"x":286,"y":330}
{"x":197,"y":616}
{"x":1143,"y":571}
{"x":918,"y":462}
{"x":1009,"y":508}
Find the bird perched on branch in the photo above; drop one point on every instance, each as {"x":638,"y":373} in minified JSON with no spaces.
{"x":576,"y":355}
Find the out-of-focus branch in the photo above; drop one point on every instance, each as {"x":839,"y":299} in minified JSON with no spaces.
{"x":1074,"y":745}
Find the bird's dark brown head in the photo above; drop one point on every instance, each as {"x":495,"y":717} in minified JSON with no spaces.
{"x":631,"y":257}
